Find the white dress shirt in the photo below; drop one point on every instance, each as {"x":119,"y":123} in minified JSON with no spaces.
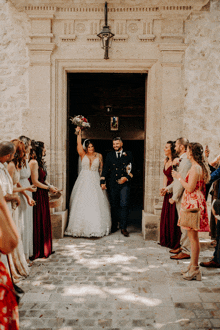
{"x":6,"y":182}
{"x":119,"y":152}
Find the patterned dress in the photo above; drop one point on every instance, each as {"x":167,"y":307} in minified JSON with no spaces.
{"x":196,"y":199}
{"x":8,"y":304}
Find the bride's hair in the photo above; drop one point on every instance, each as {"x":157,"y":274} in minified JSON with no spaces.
{"x":198,"y":155}
{"x":87,"y":143}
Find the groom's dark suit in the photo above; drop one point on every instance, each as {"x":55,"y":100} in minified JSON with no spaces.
{"x":114,"y":169}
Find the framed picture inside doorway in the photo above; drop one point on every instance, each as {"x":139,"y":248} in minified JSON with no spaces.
{"x":114,"y":123}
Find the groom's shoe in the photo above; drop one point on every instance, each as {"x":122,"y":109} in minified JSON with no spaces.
{"x":114,"y":229}
{"x":125,"y":232}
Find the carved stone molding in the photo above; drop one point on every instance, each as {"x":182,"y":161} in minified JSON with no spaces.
{"x":40,"y":54}
{"x":114,"y":6}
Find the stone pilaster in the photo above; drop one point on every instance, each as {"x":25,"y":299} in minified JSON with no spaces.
{"x":40,"y":50}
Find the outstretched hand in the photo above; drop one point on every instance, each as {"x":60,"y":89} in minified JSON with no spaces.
{"x":78,"y":130}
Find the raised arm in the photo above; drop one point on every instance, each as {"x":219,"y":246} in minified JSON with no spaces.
{"x":80,"y":149}
{"x":215,"y":175}
{"x":216,"y":161}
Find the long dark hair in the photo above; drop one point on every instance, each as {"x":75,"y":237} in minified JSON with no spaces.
{"x":198,"y":156}
{"x":172,"y":148}
{"x":37,"y":153}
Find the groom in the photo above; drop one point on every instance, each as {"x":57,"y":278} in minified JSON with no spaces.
{"x":118,"y":166}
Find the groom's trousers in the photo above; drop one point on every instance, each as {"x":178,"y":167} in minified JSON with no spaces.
{"x":119,"y":200}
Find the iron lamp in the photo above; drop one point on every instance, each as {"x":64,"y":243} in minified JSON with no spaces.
{"x":106,"y":35}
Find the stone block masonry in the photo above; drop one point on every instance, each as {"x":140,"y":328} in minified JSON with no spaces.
{"x":202,"y":82}
{"x":14,"y":62}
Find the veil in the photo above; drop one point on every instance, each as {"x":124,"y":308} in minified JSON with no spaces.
{"x":79,"y":159}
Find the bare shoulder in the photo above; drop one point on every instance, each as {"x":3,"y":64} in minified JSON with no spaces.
{"x":33,"y":163}
{"x":11,"y":166}
{"x":99,"y":155}
{"x":165,"y":161}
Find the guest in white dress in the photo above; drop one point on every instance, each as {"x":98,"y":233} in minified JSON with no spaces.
{"x":89,"y":214}
{"x":17,"y":260}
{"x":25,"y":209}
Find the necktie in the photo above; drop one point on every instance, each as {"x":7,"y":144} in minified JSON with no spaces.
{"x":119,"y":155}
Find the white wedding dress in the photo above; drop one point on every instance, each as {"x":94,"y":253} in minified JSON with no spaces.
{"x":89,"y":214}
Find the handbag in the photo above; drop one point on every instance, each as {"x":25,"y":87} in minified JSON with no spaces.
{"x":190,"y":217}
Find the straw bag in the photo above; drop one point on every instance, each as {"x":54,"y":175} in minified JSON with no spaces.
{"x":190,"y":218}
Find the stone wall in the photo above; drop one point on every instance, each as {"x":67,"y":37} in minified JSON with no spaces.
{"x":13,"y":71}
{"x":202,"y":82}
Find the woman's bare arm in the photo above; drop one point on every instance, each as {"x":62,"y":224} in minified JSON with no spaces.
{"x":8,"y":231}
{"x":194,"y":176}
{"x":100,"y":164}
{"x":34,"y":175}
{"x":80,"y":149}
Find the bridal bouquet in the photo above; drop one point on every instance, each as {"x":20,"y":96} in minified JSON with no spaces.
{"x":80,"y":121}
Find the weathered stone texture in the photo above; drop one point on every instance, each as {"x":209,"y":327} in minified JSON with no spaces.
{"x":202,"y":83}
{"x":13,"y":71}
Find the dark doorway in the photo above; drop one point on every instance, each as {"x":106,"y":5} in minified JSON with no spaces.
{"x":88,"y":95}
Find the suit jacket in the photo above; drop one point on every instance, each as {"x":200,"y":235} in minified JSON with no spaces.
{"x":215,"y":176}
{"x":176,"y":187}
{"x":115,"y":168}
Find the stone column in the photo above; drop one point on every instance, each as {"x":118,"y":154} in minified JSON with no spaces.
{"x":40,"y":119}
{"x":165,"y":110}
{"x":40,"y":50}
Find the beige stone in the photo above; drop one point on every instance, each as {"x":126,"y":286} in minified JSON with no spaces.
{"x":175,"y":41}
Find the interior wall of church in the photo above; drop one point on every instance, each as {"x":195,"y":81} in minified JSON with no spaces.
{"x":202,"y":83}
{"x":14,"y":62}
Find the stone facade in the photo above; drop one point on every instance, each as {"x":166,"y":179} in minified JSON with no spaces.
{"x":175,"y":42}
{"x":14,"y":63}
{"x":202,"y":83}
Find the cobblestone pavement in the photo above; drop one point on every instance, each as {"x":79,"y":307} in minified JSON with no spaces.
{"x":117,"y":283}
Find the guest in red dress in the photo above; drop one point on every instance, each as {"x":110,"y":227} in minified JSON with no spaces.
{"x":194,"y":197}
{"x":42,"y":234}
{"x":170,"y":233}
{"x":9,"y":319}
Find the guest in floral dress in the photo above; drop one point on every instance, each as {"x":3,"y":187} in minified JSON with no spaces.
{"x":194,"y":197}
{"x":8,"y":305}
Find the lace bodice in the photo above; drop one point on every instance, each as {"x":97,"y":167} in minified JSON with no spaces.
{"x":86,"y":164}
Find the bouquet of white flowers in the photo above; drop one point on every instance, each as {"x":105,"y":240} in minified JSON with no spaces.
{"x":80,"y":121}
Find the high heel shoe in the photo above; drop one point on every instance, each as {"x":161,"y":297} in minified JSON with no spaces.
{"x":184,"y":271}
{"x":194,"y":274}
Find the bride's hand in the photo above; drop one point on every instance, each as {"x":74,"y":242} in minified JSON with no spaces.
{"x":78,"y":130}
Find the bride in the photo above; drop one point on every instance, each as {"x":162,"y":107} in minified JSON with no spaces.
{"x":89,"y":214}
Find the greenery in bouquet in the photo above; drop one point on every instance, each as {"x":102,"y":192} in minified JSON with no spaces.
{"x":80,"y":121}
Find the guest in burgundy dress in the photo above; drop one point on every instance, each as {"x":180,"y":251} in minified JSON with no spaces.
{"x":42,"y":234}
{"x":169,"y":231}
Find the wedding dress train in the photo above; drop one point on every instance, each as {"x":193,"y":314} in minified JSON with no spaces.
{"x":89,"y":214}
